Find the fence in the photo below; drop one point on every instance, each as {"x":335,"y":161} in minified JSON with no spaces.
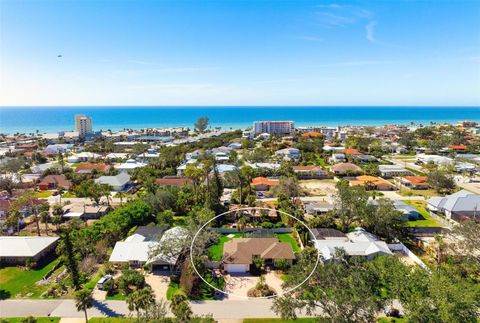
{"x":251,"y":230}
{"x":400,"y":247}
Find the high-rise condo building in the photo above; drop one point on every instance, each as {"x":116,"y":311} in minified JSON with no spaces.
{"x":273,"y":127}
{"x":83,"y":125}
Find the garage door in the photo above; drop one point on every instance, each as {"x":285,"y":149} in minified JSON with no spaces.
{"x":236,"y":268}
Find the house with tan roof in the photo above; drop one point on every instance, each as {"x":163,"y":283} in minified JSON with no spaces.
{"x":88,"y":168}
{"x":238,"y":253}
{"x":345,"y":168}
{"x":177,"y":181}
{"x":310,"y":172}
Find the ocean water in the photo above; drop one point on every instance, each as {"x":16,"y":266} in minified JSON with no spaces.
{"x":54,"y":119}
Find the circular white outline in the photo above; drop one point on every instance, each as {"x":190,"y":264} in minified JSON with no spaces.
{"x":246,"y":297}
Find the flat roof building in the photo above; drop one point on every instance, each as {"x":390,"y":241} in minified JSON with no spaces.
{"x":273,"y":127}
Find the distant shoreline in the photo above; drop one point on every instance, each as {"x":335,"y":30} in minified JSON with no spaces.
{"x":56,"y":119}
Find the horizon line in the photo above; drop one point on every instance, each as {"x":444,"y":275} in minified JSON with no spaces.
{"x":241,"y":106}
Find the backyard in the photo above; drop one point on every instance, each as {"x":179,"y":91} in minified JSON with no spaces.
{"x":19,"y":282}
{"x":426,"y":220}
{"x":216,"y":251}
{"x":287,"y":237}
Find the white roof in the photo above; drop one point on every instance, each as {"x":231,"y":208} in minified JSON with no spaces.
{"x":135,"y":248}
{"x":130,"y":164}
{"x":24,"y":246}
{"x":328,"y":248}
{"x":126,"y":251}
{"x":73,"y":214}
{"x":118,"y":180}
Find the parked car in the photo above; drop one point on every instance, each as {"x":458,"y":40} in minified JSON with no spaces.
{"x":103,"y":280}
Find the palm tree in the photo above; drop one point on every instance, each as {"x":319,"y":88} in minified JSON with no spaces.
{"x":57,"y":212}
{"x":45,"y":218}
{"x":83,"y":301}
{"x":121,"y":196}
{"x":60,"y":191}
{"x":140,"y":299}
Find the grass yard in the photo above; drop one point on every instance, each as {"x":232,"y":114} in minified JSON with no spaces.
{"x":427,"y":220}
{"x":215,"y":251}
{"x":287,"y":237}
{"x":18,"y":282}
{"x":37,"y":319}
{"x":68,"y":195}
{"x":43,"y":194}
{"x":425,"y":193}
{"x":116,"y":297}
{"x":92,"y":282}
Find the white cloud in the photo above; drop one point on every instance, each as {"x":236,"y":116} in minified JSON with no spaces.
{"x":370,"y":29}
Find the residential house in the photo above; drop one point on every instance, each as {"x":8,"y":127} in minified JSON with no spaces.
{"x":462,"y":205}
{"x":89,"y":168}
{"x":351,"y":151}
{"x":82,"y":157}
{"x":84,"y":211}
{"x":409,"y":212}
{"x":136,"y":250}
{"x":238,"y":253}
{"x":177,"y":181}
{"x":317,"y":208}
{"x":345,"y":169}
{"x":17,"y":250}
{"x":415,"y":182}
{"x":310,"y":172}
{"x":338,"y":158}
{"x":263,"y":183}
{"x":372,"y":183}
{"x":288,"y":154}
{"x":119,"y":183}
{"x":389,"y":171}
{"x":364,"y":158}
{"x":358,"y":243}
{"x":129,"y":166}
{"x":51,"y":182}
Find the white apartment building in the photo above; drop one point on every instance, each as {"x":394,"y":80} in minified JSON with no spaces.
{"x":83,"y":124}
{"x":273,"y":127}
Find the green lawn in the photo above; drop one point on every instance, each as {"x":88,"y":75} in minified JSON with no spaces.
{"x":426,"y":220}
{"x":215,"y":251}
{"x":287,"y":237}
{"x":92,"y":282}
{"x":116,"y":297}
{"x":38,"y":319}
{"x":18,"y":282}
{"x":390,"y":320}
{"x":43,"y":194}
{"x":68,"y":195}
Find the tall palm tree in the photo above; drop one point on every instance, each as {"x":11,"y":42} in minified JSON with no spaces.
{"x":83,"y":301}
{"x":121,"y":196}
{"x":140,"y":300}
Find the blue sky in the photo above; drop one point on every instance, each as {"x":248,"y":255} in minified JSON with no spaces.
{"x":239,"y":52}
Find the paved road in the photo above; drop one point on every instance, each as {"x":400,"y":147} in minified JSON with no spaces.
{"x":229,"y":309}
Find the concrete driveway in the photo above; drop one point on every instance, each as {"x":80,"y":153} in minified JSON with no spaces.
{"x":238,"y":285}
{"x":159,"y":284}
{"x":273,"y":280}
